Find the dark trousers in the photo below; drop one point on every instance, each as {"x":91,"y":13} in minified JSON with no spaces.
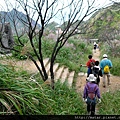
{"x":91,"y":108}
{"x":89,"y":71}
{"x":91,"y":103}
{"x":98,"y":80}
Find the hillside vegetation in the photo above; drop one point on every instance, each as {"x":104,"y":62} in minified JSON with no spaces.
{"x":105,"y":18}
{"x":23,"y":95}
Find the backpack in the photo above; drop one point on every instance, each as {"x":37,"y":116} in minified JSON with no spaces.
{"x":92,"y":63}
{"x":106,"y":69}
{"x":95,"y":71}
{"x":91,"y":94}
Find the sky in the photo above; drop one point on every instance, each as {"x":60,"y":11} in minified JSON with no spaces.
{"x":101,"y":2}
{"x":98,"y":3}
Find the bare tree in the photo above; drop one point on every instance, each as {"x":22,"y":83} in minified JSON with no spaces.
{"x":71,"y":15}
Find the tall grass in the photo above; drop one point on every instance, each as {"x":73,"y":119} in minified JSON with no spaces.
{"x":22,"y":95}
{"x":110,"y":104}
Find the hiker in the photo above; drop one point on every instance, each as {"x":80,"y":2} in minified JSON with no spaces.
{"x":90,"y":94}
{"x":97,"y":72}
{"x":95,"y":46}
{"x":98,"y":46}
{"x":90,"y":63}
{"x":105,"y":62}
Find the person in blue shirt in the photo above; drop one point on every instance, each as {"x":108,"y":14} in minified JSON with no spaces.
{"x":105,"y":61}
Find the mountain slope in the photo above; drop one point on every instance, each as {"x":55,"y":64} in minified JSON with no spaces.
{"x":16,"y":17}
{"x":105,"y":18}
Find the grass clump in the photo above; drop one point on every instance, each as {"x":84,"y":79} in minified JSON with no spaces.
{"x":67,"y":101}
{"x":110,"y":104}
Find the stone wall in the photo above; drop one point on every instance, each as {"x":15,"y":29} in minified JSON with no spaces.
{"x":6,"y":38}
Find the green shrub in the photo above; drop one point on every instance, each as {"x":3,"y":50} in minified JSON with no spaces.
{"x":116,"y":66}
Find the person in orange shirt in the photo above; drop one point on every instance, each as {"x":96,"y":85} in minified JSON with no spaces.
{"x":89,"y":65}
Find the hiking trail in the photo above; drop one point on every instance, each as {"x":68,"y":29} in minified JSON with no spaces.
{"x":81,"y":80}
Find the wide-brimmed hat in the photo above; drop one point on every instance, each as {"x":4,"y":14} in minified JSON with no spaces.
{"x":91,"y":78}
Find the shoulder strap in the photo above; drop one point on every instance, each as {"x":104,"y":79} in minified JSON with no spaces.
{"x":92,"y":63}
{"x":95,"y":88}
{"x":89,"y":88}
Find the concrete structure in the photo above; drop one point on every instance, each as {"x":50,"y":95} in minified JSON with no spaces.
{"x":59,"y":30}
{"x":6,"y":38}
{"x":93,"y":40}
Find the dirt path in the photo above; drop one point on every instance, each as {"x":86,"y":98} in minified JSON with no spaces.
{"x":27,"y":65}
{"x":81,"y":80}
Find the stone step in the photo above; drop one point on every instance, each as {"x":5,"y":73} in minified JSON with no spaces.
{"x":58,"y":73}
{"x":45,"y":61}
{"x":81,"y":74}
{"x":64,"y":75}
{"x":70,"y":78}
{"x":55,"y":67}
{"x":47,"y":67}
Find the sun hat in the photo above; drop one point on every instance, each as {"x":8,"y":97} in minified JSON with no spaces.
{"x":105,"y":56}
{"x":91,"y":78}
